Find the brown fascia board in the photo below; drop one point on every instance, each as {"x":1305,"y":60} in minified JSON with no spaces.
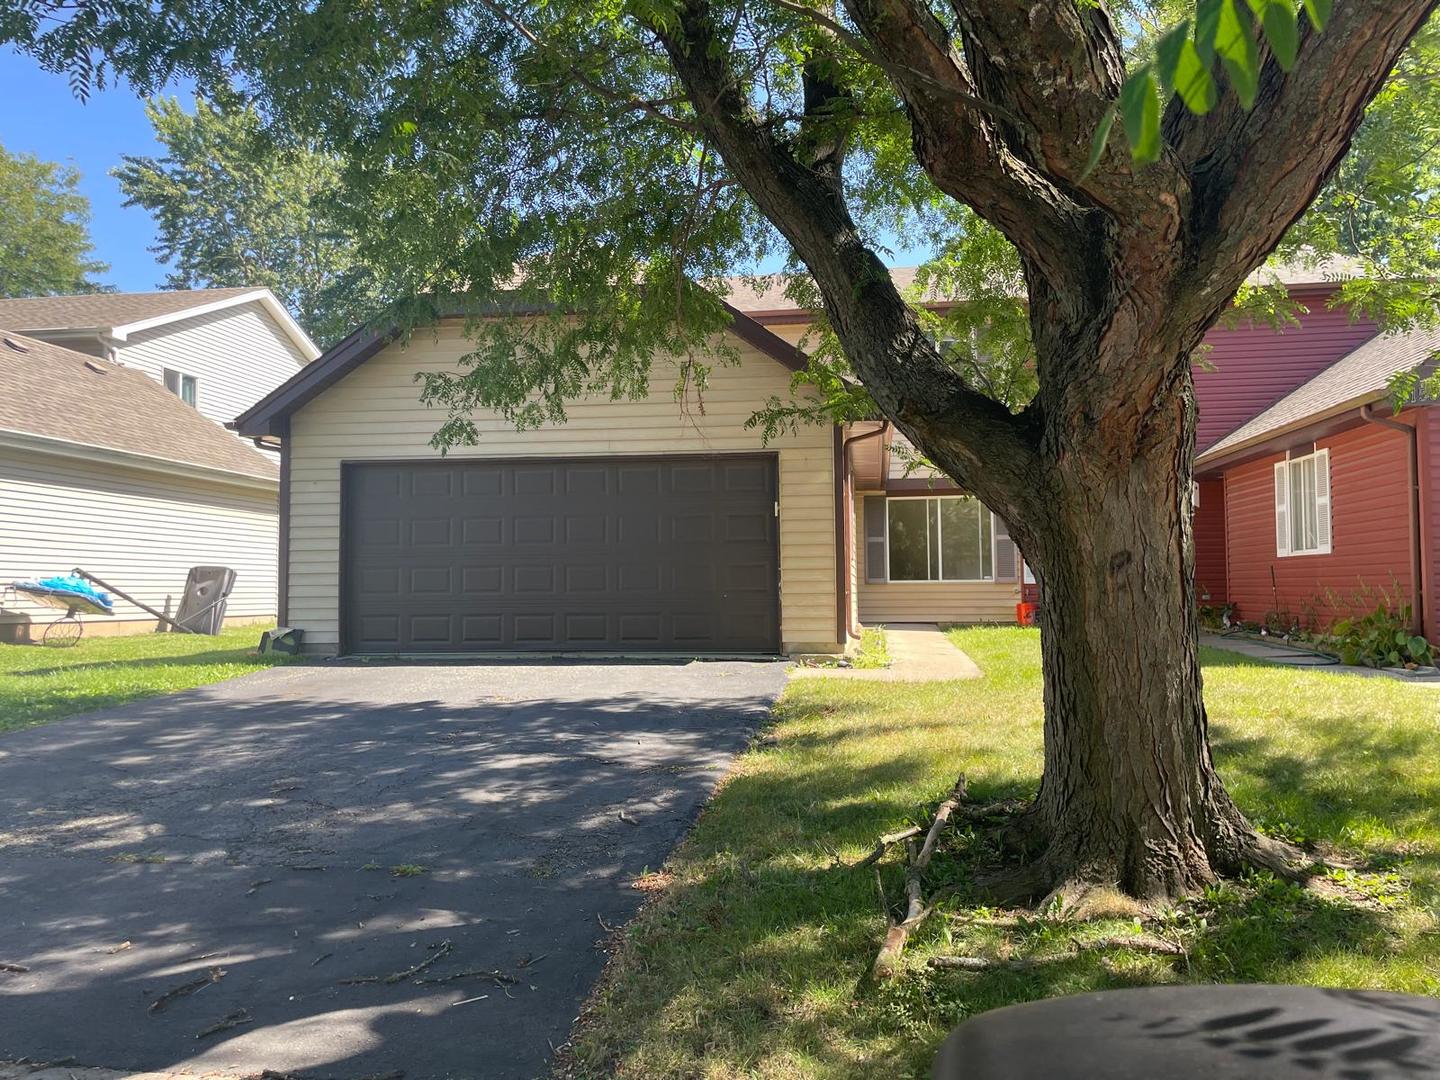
{"x":1318,"y":425}
{"x":270,"y":415}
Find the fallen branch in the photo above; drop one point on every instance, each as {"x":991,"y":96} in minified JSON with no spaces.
{"x":1002,"y":808}
{"x":887,"y":961}
{"x":942,"y":816}
{"x":1134,"y":942}
{"x":214,"y":975}
{"x":234,"y":1019}
{"x":436,"y":952}
{"x":884,"y":842}
{"x":498,"y":976}
{"x":981,"y":963}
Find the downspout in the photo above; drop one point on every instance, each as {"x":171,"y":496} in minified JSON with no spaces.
{"x":1417,"y":609}
{"x":846,"y":492}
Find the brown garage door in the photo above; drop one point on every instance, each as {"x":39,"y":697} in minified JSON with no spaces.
{"x":674,"y":554}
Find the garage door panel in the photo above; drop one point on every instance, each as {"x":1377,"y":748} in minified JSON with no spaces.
{"x":640,"y":554}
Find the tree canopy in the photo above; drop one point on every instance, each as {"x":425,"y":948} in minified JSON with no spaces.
{"x":236,"y":205}
{"x":595,"y":165}
{"x":45,"y":246}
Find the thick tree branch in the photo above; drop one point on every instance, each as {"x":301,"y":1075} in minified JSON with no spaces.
{"x":968,"y":150}
{"x":1254,"y":173}
{"x":896,"y":361}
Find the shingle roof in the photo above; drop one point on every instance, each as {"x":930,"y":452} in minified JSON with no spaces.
{"x":1362,"y":374}
{"x":60,"y":394}
{"x":765,"y":293}
{"x":103,"y":310}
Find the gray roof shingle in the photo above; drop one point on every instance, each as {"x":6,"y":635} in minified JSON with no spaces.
{"x":104,"y":310}
{"x":57,"y":393}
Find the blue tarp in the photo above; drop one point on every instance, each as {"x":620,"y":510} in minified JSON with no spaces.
{"x":70,"y":587}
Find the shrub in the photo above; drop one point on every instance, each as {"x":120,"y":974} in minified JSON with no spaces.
{"x":1381,"y":639}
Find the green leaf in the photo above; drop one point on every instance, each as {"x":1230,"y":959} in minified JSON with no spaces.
{"x":1167,"y":55}
{"x":1279,"y":20}
{"x":1097,"y":144}
{"x":1140,"y":110}
{"x":1235,"y":43}
{"x":1193,"y":82}
{"x":1419,"y":648}
{"x":1207,"y":23}
{"x":1319,"y":12}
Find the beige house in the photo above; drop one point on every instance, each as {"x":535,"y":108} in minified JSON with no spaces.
{"x":113,"y":454}
{"x":636,"y":526}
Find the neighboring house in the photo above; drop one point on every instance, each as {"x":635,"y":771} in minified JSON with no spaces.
{"x":113,"y":456}
{"x":217,"y":349}
{"x":637,"y":526}
{"x":1325,"y":503}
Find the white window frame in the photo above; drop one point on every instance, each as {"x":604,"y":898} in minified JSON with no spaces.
{"x":1316,"y":510}
{"x":942,"y":579}
{"x":179,"y":388}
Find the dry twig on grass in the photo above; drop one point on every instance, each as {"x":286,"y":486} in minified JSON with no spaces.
{"x":884,"y":842}
{"x":1148,"y":943}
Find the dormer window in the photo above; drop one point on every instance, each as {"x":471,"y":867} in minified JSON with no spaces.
{"x":181,"y":385}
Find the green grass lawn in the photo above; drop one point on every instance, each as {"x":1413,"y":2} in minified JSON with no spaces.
{"x":753,"y":961}
{"x":40,"y":684}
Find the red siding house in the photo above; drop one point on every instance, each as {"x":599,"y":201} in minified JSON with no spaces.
{"x":1324,"y":503}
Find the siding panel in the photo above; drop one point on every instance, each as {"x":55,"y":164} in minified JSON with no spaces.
{"x":237,"y":355}
{"x":1255,"y":366}
{"x":374,"y":414}
{"x":1428,"y":420}
{"x":1209,"y":528}
{"x":137,"y":530}
{"x":1370,"y":522}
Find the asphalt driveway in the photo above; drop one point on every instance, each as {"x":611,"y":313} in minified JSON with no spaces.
{"x":336,"y":857}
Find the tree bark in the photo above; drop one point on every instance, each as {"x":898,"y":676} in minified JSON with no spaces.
{"x":1129,"y":797}
{"x":1126,"y":269}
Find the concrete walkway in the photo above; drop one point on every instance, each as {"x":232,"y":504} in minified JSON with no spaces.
{"x":1298,"y":657}
{"x":919,"y":652}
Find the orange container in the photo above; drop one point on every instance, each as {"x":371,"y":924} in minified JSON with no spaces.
{"x":1025,"y":613}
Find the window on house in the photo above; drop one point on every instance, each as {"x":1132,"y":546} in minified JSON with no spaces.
{"x":940,"y":539}
{"x":1302,"y":505}
{"x":181,"y":385}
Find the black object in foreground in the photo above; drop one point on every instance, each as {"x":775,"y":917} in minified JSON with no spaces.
{"x":1201,"y":1033}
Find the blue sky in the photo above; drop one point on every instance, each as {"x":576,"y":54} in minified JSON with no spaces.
{"x":43,"y":118}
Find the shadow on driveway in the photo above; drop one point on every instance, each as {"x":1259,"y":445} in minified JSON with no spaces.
{"x":251,"y":828}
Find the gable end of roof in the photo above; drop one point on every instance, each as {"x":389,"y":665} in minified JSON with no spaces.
{"x":270,"y":416}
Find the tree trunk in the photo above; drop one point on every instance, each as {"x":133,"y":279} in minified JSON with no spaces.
{"x":1129,"y":797}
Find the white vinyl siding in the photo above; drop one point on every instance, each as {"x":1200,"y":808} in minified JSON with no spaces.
{"x":1302,"y":505}
{"x":374,"y":414}
{"x":236,"y":356}
{"x":139,"y":530}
